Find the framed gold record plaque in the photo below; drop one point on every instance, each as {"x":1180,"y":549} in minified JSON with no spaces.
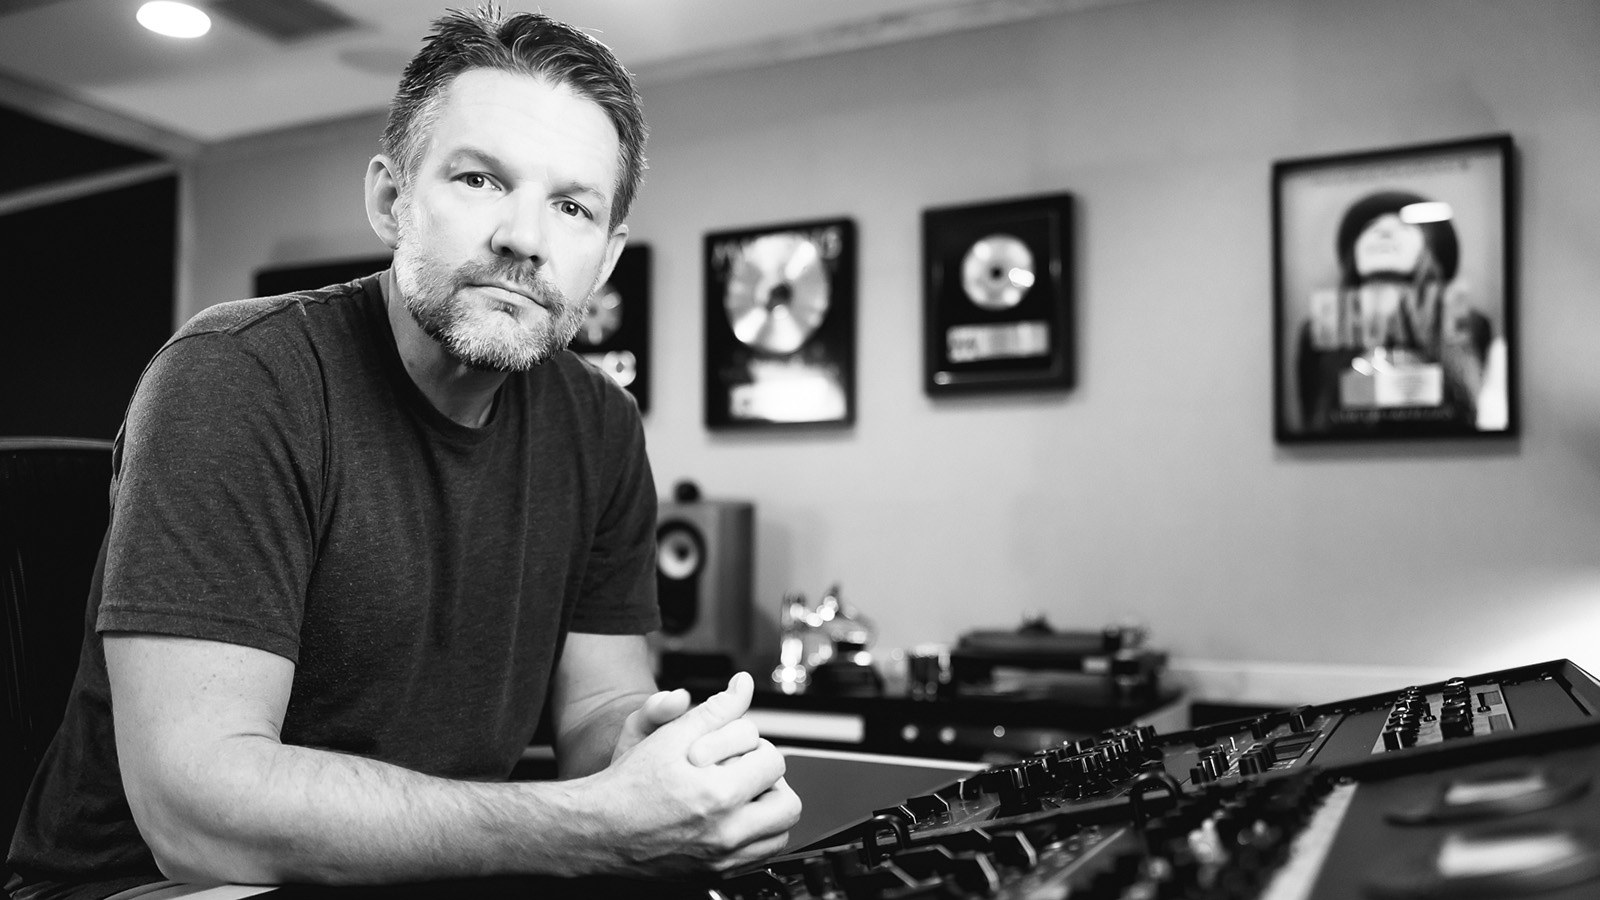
{"x":616,"y":335}
{"x":780,"y":325}
{"x":997,"y":295}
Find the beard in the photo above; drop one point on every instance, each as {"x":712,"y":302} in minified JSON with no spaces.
{"x":490,"y":337}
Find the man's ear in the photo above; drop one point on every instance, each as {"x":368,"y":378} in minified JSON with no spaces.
{"x":383,"y":192}
{"x":618,"y":240}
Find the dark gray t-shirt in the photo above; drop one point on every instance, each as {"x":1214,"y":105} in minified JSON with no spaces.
{"x":281,"y":483}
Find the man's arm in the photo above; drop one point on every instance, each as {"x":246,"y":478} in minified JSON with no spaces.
{"x":604,"y":701}
{"x":219,"y":798}
{"x":603,"y":679}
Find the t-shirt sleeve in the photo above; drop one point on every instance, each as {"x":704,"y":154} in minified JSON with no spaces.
{"x":214,"y":506}
{"x":619,"y":584}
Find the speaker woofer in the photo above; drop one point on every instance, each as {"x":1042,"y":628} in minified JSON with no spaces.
{"x":680,"y":558}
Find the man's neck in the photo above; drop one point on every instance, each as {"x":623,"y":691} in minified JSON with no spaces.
{"x":463,"y":394}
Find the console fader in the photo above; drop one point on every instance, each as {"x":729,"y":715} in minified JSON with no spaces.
{"x":1474,"y":787}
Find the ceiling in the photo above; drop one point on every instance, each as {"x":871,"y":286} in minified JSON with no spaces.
{"x":82,"y":59}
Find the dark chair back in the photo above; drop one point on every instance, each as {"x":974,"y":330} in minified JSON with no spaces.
{"x":54,"y":508}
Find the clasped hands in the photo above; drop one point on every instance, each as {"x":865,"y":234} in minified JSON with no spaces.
{"x":701,"y":789}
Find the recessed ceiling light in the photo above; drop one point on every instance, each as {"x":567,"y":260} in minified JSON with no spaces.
{"x":179,"y":20}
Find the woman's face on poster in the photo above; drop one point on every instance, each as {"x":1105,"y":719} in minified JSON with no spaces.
{"x":1388,"y":246}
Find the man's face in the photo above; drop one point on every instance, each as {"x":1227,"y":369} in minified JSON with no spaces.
{"x":504,"y":232}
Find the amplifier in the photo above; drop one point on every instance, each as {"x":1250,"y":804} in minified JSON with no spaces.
{"x":1478,"y":786}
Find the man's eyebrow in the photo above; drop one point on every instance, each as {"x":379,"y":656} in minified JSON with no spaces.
{"x":476,"y":155}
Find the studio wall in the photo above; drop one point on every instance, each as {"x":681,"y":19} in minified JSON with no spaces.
{"x":1152,"y":491}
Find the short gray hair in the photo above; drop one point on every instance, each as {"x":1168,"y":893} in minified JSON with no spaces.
{"x":529,"y":43}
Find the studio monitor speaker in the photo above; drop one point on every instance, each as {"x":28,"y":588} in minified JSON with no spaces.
{"x":704,"y":576}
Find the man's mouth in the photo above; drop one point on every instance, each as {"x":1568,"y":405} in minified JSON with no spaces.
{"x":511,"y":295}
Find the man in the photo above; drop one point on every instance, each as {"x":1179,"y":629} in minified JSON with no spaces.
{"x":361,"y":535}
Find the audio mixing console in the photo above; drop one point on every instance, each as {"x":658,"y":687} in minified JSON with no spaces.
{"x":1474,"y":787}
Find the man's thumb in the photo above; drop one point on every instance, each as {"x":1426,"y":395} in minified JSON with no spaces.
{"x":719,"y":709}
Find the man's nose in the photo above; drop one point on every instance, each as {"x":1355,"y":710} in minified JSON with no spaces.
{"x":520,"y":230}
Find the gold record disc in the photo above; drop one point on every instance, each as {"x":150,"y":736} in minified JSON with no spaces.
{"x":997,"y":271}
{"x":604,"y":318}
{"x":777,"y":292}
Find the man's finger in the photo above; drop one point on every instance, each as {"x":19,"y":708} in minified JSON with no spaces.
{"x":733,"y":739}
{"x":718,"y":709}
{"x":761,"y":827}
{"x":658,"y":709}
{"x":752,"y":774}
{"x":755,"y":852}
{"x":664,"y":706}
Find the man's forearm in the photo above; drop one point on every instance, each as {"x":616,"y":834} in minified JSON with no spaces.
{"x":260,"y":812}
{"x":600,"y":681}
{"x":696,"y":790}
{"x":587,"y":746}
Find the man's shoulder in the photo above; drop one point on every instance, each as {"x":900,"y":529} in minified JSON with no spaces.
{"x":597,"y":391}
{"x":300,"y":309}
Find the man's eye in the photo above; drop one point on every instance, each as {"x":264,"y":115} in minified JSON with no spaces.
{"x":476,"y":180}
{"x":573,"y":209}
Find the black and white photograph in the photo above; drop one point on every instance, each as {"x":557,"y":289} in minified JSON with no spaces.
{"x":761,"y":450}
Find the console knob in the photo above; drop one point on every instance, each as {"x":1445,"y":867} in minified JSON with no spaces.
{"x":1014,"y":849}
{"x":974,"y":873}
{"x":990,"y":782}
{"x":1300,"y":718}
{"x":1250,"y":764}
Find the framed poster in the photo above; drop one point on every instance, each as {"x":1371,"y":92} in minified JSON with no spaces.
{"x":997,"y":299}
{"x":1393,"y":294}
{"x":780,"y":325}
{"x":616,"y":334}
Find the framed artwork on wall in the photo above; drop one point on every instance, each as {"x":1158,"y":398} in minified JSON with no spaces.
{"x":616,"y":334}
{"x":997,"y":297}
{"x":1393,"y":293}
{"x":780,"y":325}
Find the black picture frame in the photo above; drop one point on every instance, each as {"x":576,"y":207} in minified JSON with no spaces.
{"x":616,"y":335}
{"x":1394,"y":293}
{"x":780,"y":325}
{"x":997,"y":296}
